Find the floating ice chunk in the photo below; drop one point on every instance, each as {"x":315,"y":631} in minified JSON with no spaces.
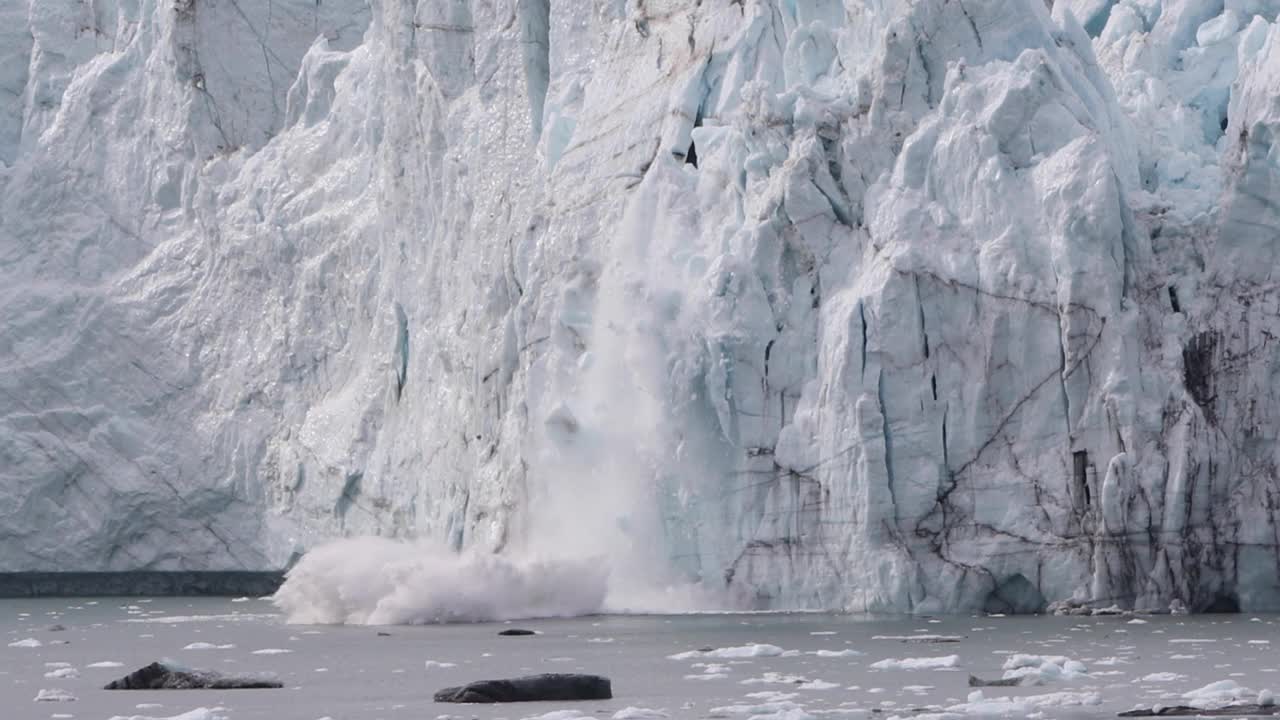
{"x":175,"y":619}
{"x":54,"y":695}
{"x":791,"y":714}
{"x":639,"y":713}
{"x":1137,"y":621}
{"x":27,"y":643}
{"x":430,"y":664}
{"x":209,"y":646}
{"x":736,"y":652}
{"x":818,"y":685}
{"x":782,"y":710}
{"x":1041,"y":669}
{"x":1021,"y":660}
{"x":200,"y":713}
{"x":1110,"y":610}
{"x":921,"y":638}
{"x":1266,"y":698}
{"x":1161,"y":677}
{"x":558,"y":715}
{"x":775,"y":677}
{"x":921,"y":663}
{"x":63,"y":673}
{"x":271,"y":651}
{"x":105,"y":664}
{"x":979,"y":704}
{"x":1218,"y":694}
{"x":833,"y":653}
{"x":772,"y":695}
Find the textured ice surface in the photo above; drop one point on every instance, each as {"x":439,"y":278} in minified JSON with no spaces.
{"x":917,"y":663}
{"x":1043,"y":669}
{"x":200,"y":713}
{"x":1219,"y":694}
{"x":753,"y":650}
{"x":918,"y":305}
{"x":54,"y":695}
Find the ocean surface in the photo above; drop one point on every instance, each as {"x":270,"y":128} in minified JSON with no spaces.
{"x":783,"y":666}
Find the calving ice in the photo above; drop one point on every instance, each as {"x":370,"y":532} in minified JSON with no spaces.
{"x":929,"y":306}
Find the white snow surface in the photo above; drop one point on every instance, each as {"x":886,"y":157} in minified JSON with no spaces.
{"x":964,"y":306}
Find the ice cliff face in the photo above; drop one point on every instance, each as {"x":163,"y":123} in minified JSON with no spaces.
{"x":875,"y":304}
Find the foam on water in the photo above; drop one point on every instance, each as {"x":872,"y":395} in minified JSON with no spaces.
{"x":375,"y":581}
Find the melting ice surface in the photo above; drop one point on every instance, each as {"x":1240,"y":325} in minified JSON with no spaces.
{"x":779,"y":667}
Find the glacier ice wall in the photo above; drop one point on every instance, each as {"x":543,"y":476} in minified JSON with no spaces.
{"x":875,"y":304}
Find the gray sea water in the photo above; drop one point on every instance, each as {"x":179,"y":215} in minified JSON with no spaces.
{"x":353,"y":673}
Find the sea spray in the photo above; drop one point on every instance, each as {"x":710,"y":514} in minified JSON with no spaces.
{"x":377,"y":581}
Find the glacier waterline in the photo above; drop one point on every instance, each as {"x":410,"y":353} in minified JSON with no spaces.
{"x":959,"y":299}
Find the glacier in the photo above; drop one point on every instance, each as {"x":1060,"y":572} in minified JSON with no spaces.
{"x":924,"y":306}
